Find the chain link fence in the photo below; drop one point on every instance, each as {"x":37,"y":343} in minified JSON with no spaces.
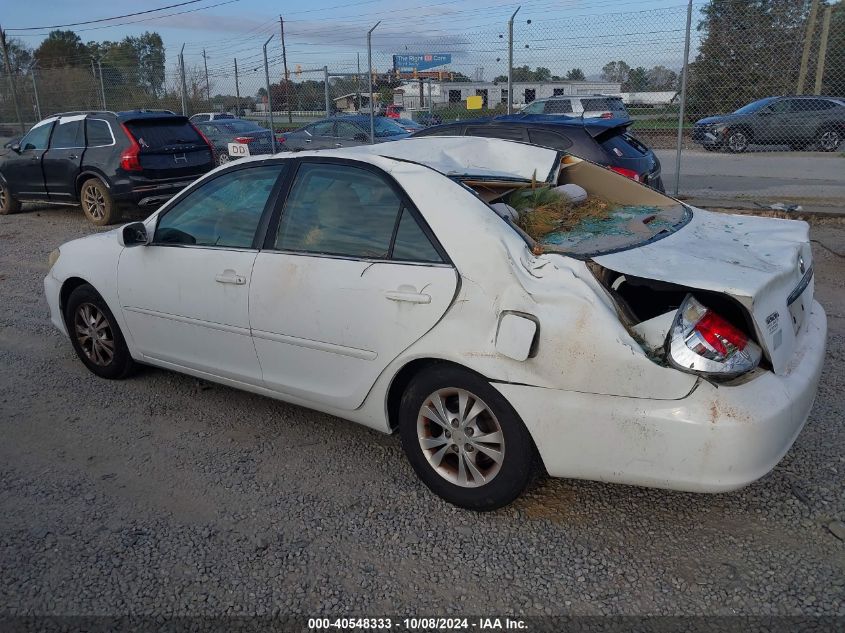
{"x":721,"y":97}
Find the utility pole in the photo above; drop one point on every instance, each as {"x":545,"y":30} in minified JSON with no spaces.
{"x":237,"y":91}
{"x":822,"y":50}
{"x":510,"y":61}
{"x":35,"y":89}
{"x":269,"y":96}
{"x":326,"y":90}
{"x":358,"y":83}
{"x":184,"y":85}
{"x":808,"y":41}
{"x":102,"y":87}
{"x":207,"y":85}
{"x":370,"y":75}
{"x":11,"y":78}
{"x":285,"y":64}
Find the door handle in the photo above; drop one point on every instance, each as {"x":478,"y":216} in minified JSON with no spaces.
{"x":229,"y":276}
{"x":408,"y":297}
{"x":308,"y":140}
{"x":338,"y":145}
{"x":73,"y":156}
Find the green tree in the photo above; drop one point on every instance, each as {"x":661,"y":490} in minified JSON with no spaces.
{"x":749,"y":49}
{"x":576,"y":74}
{"x":62,"y":49}
{"x":662,"y":78}
{"x":636,"y":81}
{"x":615,"y":71}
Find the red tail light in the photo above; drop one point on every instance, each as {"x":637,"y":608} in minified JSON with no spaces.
{"x":280,"y":139}
{"x":606,"y":115}
{"x":703,"y":342}
{"x":628,"y":173}
{"x":244,"y":139}
{"x":204,"y":138}
{"x":130,"y":159}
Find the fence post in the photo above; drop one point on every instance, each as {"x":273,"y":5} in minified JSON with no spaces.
{"x":269,"y":97}
{"x":11,"y":78}
{"x":184,"y":86}
{"x":510,"y":61}
{"x":370,"y":76}
{"x":358,"y":83}
{"x":237,"y":91}
{"x":808,"y":41}
{"x":285,"y":63}
{"x":683,"y":104}
{"x":35,"y":91}
{"x":430,"y":105}
{"x":326,"y":90}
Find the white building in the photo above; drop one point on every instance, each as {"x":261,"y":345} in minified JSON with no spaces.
{"x":495,"y":93}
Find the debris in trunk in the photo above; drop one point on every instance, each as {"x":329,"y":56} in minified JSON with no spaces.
{"x":543,"y":211}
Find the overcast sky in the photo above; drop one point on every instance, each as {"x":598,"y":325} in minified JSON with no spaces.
{"x":563,"y":33}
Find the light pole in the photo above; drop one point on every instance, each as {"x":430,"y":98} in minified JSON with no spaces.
{"x":35,"y":89}
{"x":184,"y":86}
{"x":102,"y":87}
{"x":370,"y":75}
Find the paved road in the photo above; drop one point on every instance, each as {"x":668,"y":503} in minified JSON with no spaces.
{"x":766,"y":175}
{"x":163,"y":494}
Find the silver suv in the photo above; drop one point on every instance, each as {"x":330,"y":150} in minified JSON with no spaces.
{"x":588,"y":107}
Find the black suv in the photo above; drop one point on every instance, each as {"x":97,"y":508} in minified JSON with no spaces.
{"x":102,"y":160}
{"x":603,"y":141}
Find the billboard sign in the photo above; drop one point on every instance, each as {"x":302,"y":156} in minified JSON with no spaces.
{"x":409,"y":62}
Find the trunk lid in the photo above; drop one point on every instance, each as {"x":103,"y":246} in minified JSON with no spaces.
{"x":764,"y":263}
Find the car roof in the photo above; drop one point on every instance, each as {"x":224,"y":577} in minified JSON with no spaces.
{"x":593,"y":127}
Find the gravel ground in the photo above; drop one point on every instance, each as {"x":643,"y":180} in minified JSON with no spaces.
{"x":167,"y":495}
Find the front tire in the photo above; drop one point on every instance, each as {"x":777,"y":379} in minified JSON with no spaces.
{"x":95,"y":335}
{"x":7,"y":203}
{"x":97,"y":203}
{"x":736,"y":141}
{"x":464,"y":439}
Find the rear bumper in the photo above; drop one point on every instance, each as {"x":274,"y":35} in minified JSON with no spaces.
{"x":147,"y":192}
{"x":715,"y":439}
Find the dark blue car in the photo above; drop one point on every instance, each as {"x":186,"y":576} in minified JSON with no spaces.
{"x":603,"y":141}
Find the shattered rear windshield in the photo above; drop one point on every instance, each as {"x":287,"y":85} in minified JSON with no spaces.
{"x":592,"y":226}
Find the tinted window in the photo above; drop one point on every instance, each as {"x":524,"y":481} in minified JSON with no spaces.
{"x":338,"y":210}
{"x":200,"y":117}
{"x":68,"y":134}
{"x":534,"y":108}
{"x":784,"y":105}
{"x":98,"y":132}
{"x":224,"y":211}
{"x":386,"y":127}
{"x":497,"y":131}
{"x":158,"y":133}
{"x":558,"y":106}
{"x":224,"y":116}
{"x":347,"y":130}
{"x":411,"y":243}
{"x":323,"y":128}
{"x":549,"y":139}
{"x":604,"y":104}
{"x":37,"y":137}
{"x":450,"y":130}
{"x":622,"y":145}
{"x":821,"y":104}
{"x":240,"y":126}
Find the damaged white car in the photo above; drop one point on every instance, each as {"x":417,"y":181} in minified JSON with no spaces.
{"x":503,"y":306}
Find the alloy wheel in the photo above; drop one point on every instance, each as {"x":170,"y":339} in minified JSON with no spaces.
{"x":460,"y":437}
{"x":3,"y":197}
{"x":829,"y":140}
{"x":95,"y":202}
{"x":223,"y":158}
{"x":94,"y":334}
{"x":737,"y":142}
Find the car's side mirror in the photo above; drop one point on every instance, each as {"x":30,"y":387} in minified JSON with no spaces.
{"x":134,"y":234}
{"x":361,"y":137}
{"x":15,"y":147}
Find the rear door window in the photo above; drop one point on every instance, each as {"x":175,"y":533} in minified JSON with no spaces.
{"x":68,"y":134}
{"x":156,"y":134}
{"x":603,"y":104}
{"x":549,"y":139}
{"x":99,"y":133}
{"x":457,"y":130}
{"x":497,"y":131}
{"x":323,"y":128}
{"x":558,"y":106}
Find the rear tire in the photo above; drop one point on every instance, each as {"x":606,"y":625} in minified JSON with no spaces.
{"x":97,"y":203}
{"x":95,"y":335}
{"x":7,"y":203}
{"x":464,"y":439}
{"x":223,"y":158}
{"x":829,"y":139}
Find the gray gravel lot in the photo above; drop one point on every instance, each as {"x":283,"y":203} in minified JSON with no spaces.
{"x":163,"y":494}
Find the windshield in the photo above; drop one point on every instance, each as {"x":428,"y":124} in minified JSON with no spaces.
{"x":386,"y":127}
{"x":534,"y":108}
{"x":754,"y":106}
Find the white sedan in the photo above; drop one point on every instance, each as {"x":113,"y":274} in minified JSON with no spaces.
{"x":660,"y":345}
